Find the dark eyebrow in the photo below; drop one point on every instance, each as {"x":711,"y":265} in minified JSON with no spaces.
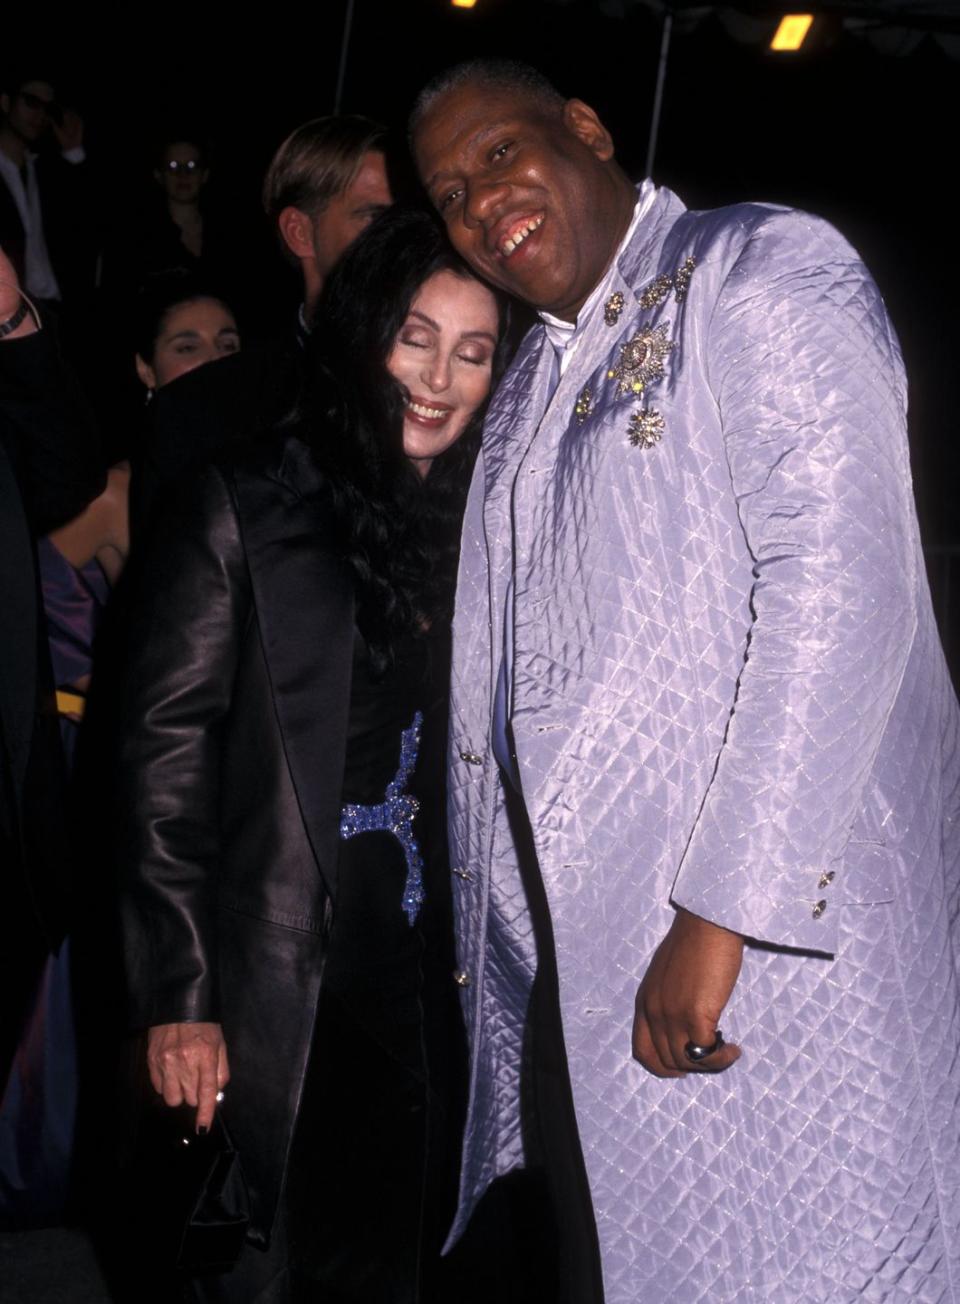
{"x":464,"y":335}
{"x":375,"y":209}
{"x":183,"y":335}
{"x":415,"y":312}
{"x":477,"y":140}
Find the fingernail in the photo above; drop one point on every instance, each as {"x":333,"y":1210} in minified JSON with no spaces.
{"x":202,"y":1131}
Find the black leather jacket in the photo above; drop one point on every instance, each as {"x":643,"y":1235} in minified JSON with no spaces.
{"x":235,"y":718}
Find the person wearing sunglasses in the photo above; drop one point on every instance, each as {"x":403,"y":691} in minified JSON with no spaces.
{"x":44,"y":226}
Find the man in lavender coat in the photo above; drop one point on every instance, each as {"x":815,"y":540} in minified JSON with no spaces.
{"x":694,"y":648}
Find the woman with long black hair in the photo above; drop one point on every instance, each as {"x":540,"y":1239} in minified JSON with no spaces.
{"x":285,"y":890}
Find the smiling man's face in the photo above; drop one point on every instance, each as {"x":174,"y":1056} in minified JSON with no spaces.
{"x":530,"y":197}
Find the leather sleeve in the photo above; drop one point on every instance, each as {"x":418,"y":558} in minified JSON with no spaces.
{"x":196,"y":418}
{"x":188,"y":613}
{"x":810,"y":386}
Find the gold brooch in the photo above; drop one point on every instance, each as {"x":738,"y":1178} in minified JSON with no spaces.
{"x":583,"y":404}
{"x":681,"y":277}
{"x":646,"y":428}
{"x":655,"y":294}
{"x":641,"y":359}
{"x":613,"y":308}
{"x":659,"y":290}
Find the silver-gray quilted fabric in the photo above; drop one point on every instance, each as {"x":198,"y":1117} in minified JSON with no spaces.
{"x":728,"y":687}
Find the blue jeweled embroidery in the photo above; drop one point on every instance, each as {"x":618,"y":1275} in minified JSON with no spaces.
{"x":395,"y":815}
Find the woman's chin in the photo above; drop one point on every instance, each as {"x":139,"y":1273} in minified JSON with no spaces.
{"x":420,"y":464}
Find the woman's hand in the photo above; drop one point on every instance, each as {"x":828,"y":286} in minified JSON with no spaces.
{"x":188,"y":1063}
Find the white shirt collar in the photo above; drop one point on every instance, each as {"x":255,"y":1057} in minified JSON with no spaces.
{"x":566,"y":335}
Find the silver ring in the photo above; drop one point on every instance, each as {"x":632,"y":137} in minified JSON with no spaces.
{"x":697,"y":1053}
{"x":219,"y":1097}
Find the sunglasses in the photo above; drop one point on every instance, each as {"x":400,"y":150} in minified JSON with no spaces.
{"x":188,"y":166}
{"x":32,"y":101}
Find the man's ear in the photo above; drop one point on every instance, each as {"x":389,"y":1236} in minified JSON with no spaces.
{"x":580,"y":119}
{"x":296,"y":228}
{"x":146,"y":373}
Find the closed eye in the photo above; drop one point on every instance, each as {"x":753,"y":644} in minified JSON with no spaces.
{"x":416,"y":338}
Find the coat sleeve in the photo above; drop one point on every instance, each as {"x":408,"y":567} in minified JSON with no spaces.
{"x":190,"y":606}
{"x":809,"y":383}
{"x":49,"y":428}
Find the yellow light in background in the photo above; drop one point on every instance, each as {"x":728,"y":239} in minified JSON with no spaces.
{"x":463,"y":4}
{"x":791,"y":33}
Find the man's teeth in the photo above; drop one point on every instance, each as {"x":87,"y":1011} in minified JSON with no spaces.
{"x":518,"y":237}
{"x":431,"y":413}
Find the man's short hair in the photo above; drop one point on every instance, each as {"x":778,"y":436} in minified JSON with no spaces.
{"x":497,"y":74}
{"x":317,"y":162}
{"x":13,"y":77}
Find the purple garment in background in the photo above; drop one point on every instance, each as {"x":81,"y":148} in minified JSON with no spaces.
{"x":73,"y":598}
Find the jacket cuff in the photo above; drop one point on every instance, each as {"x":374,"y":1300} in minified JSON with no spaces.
{"x":804,"y":919}
{"x":170,"y":1007}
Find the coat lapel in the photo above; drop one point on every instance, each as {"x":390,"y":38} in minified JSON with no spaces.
{"x":510,"y":427}
{"x":303,"y":593}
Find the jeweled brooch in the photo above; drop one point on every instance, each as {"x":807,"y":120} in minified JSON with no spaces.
{"x":641,"y":359}
{"x":681,"y":278}
{"x":655,"y":294}
{"x":646,"y":428}
{"x":583,"y":404}
{"x":659,"y":290}
{"x":613,"y":308}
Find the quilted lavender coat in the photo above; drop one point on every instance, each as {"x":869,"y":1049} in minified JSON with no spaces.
{"x":729,"y":695}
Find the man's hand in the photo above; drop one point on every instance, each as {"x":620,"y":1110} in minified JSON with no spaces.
{"x":188,"y":1062}
{"x":10,"y":299}
{"x":682,"y":997}
{"x":69,"y":130}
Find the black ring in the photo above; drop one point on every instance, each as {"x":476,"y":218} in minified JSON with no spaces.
{"x":697,"y":1053}
{"x":10,"y":325}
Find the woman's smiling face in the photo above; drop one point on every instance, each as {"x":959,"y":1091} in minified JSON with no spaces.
{"x":443,"y":358}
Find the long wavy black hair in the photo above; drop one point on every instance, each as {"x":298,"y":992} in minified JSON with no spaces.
{"x":400,"y":533}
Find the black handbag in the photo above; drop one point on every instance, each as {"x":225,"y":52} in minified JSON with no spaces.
{"x":193,"y":1211}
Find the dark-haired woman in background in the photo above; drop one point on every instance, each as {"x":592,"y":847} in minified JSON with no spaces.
{"x":180,"y":323}
{"x":286,"y":714}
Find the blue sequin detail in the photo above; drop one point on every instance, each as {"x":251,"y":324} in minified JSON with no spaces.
{"x":395,"y":815}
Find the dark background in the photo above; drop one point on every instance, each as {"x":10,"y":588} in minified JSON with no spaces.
{"x":861,"y":129}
